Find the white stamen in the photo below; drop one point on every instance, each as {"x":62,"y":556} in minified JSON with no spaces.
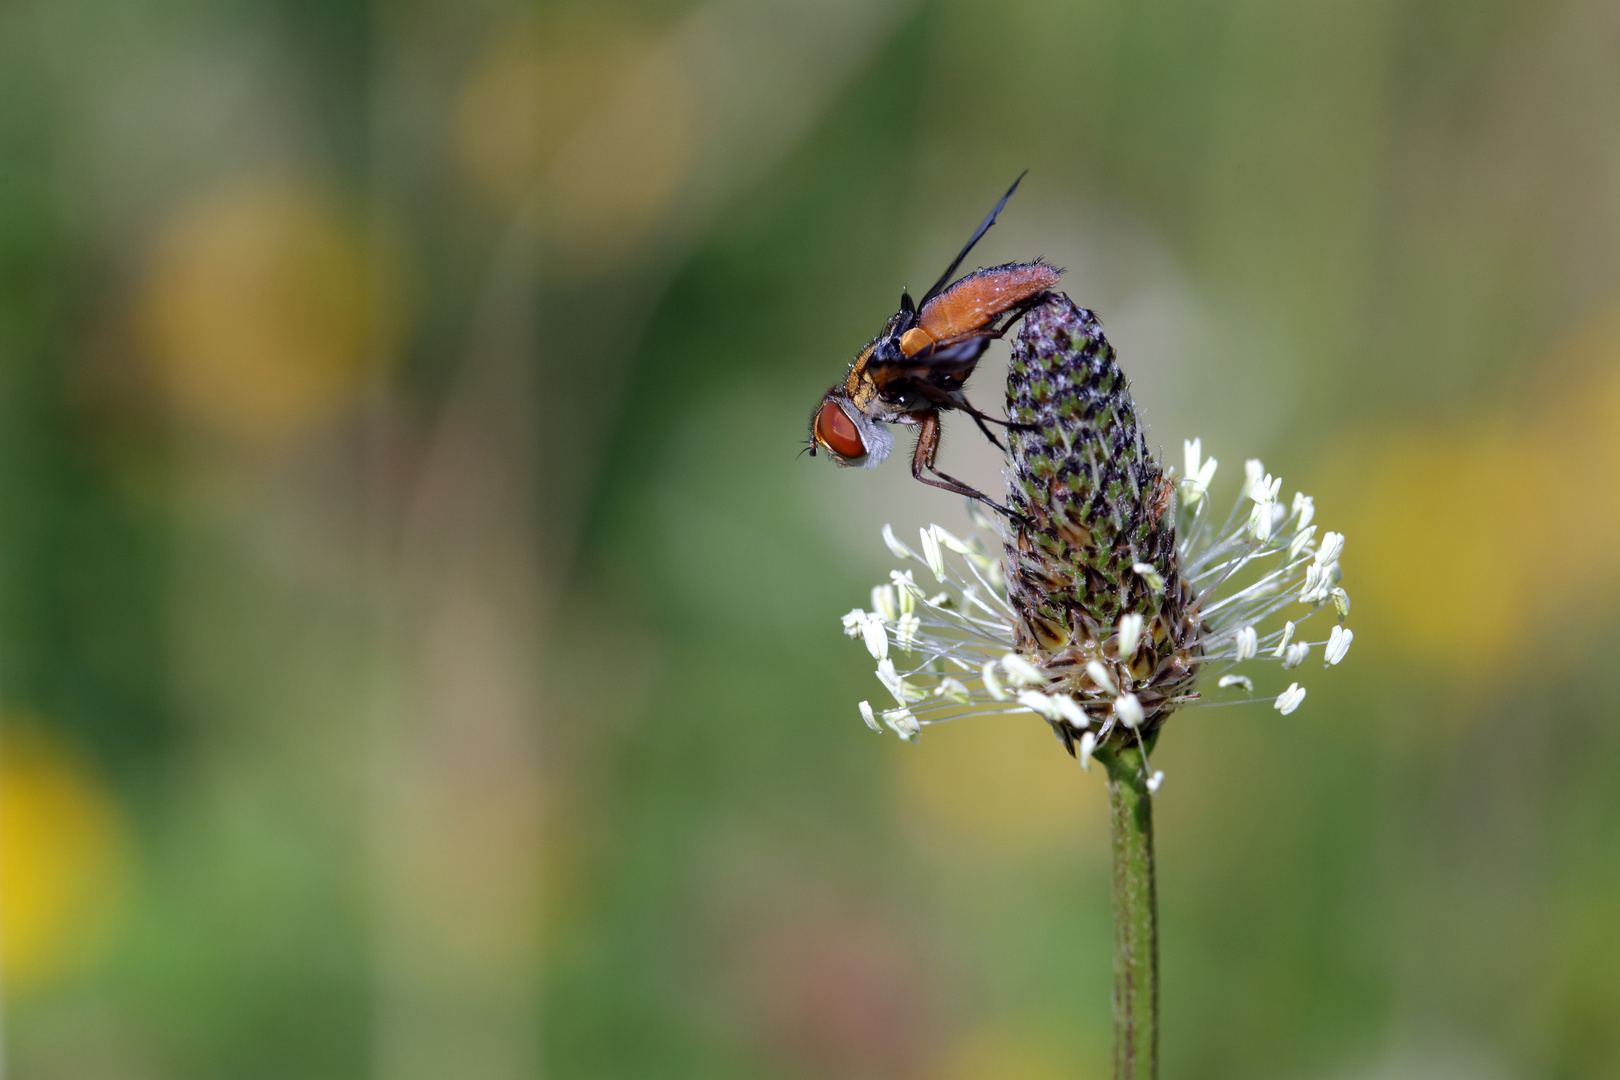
{"x":1338,"y":644}
{"x":1037,"y":702}
{"x":1100,"y":676}
{"x":853,"y":622}
{"x":1300,"y":541}
{"x":950,"y":541}
{"x":992,"y":685}
{"x":1021,"y":672}
{"x":1129,"y":710}
{"x":871,"y":720}
{"x":902,"y":723}
{"x":1305,"y":508}
{"x":1287,"y":636}
{"x":932,"y":555}
{"x":1088,"y":743}
{"x":1071,"y":710}
{"x":883,"y":602}
{"x":1155,"y":781}
{"x":1289,"y":699}
{"x":893,"y":542}
{"x":904,"y":692}
{"x":877,"y":639}
{"x":1341,"y":603}
{"x":1236,"y":680}
{"x":1130,"y":635}
{"x":1297,"y":653}
{"x":907,"y":631}
{"x":1248,"y":643}
{"x":1332,"y":547}
{"x":954,"y":690}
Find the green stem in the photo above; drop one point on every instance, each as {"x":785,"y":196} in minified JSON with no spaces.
{"x":1136,"y":916}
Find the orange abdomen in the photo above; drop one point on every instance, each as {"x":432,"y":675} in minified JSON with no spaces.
{"x":978,"y":298}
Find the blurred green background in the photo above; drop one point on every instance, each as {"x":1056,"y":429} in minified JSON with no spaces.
{"x":419,"y":641}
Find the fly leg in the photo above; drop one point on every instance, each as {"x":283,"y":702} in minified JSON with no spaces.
{"x":922,"y":459}
{"x":955,"y":400}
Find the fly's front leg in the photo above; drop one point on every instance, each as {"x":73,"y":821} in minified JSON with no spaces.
{"x":922,"y":460}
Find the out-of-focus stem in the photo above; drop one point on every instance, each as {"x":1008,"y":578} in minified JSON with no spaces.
{"x":1136,"y":915}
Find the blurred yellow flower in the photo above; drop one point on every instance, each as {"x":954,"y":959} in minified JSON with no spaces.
{"x":594,"y":116}
{"x":1475,"y":533}
{"x":261,"y":310}
{"x":63,"y":860}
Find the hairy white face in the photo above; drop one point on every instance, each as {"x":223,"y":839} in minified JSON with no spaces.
{"x":850,"y":437}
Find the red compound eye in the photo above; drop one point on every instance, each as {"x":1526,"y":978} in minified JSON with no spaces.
{"x":836,"y":431}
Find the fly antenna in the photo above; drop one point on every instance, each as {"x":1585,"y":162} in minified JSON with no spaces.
{"x":984,"y":227}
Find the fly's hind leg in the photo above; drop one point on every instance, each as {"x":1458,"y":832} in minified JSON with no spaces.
{"x":922,"y":460}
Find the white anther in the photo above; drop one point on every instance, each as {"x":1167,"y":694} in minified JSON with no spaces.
{"x":1155,"y":781}
{"x":883,"y":602}
{"x":906,"y":590}
{"x":1071,"y":710}
{"x":1236,"y":680}
{"x":1037,"y":702}
{"x":1130,"y":635}
{"x":907,"y":631}
{"x":867,"y":715}
{"x":1332,"y":547}
{"x":853,"y":622}
{"x":1289,"y":699}
{"x":992,"y":685}
{"x":1297,"y":652}
{"x":1287,"y":636}
{"x":931,"y":553}
{"x":1338,"y":644}
{"x":961,"y":547}
{"x":1248,"y":643}
{"x":902,"y":723}
{"x":893,"y":542}
{"x":1088,"y":743}
{"x":1304,"y":509}
{"x":877,"y":638}
{"x":1341,"y":602}
{"x":1021,"y":672}
{"x":953,"y":689}
{"x":1100,"y":676}
{"x":904,"y":692}
{"x":1129,"y":710}
{"x":1300,"y":540}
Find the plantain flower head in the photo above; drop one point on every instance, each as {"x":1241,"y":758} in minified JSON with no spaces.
{"x":1118,"y":593}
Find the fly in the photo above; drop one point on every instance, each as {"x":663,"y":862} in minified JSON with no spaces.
{"x":915,"y":368}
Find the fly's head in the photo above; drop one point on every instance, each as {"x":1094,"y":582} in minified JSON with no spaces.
{"x":850,"y":437}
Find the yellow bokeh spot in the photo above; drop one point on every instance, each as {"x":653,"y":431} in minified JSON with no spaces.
{"x":532,"y":89}
{"x":590,"y":120}
{"x":995,"y":1052}
{"x":1467,"y":539}
{"x":63,"y":861}
{"x":262,"y":310}
{"x":1000,"y":785}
